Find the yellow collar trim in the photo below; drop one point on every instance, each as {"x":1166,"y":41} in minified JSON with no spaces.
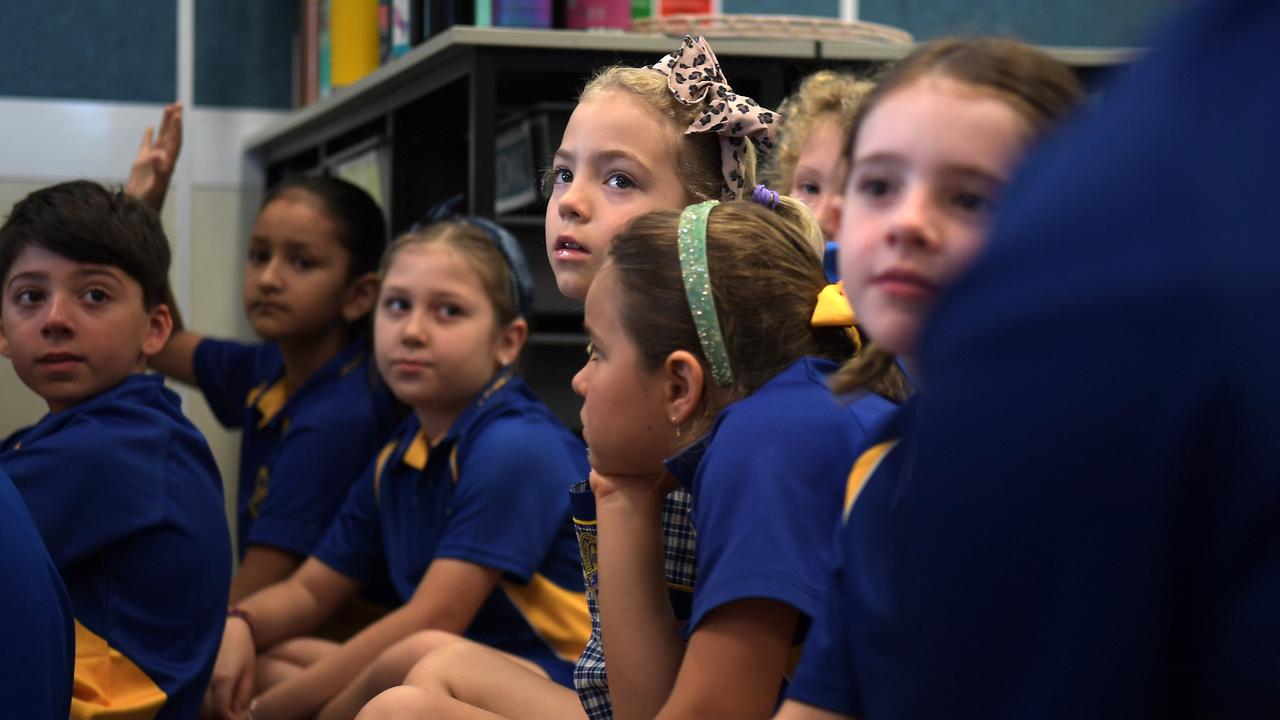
{"x":268,"y":400}
{"x":415,"y":456}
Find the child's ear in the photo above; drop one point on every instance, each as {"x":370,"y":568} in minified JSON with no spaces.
{"x":511,"y":341}
{"x":159,"y":328}
{"x":4,"y":341}
{"x":362,"y":293}
{"x":682,"y":381}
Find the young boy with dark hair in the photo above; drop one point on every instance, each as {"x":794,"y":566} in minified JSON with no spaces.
{"x":123,"y":489}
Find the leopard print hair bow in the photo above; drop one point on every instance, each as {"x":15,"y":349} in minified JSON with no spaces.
{"x":694,"y":76}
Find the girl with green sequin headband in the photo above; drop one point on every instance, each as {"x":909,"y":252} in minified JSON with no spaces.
{"x":735,"y":285}
{"x":706,"y":376}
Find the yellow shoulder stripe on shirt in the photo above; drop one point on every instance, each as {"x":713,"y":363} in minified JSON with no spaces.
{"x":559,"y":616}
{"x":381,"y":464}
{"x":862,"y":470}
{"x":108,"y":685}
{"x":269,"y":400}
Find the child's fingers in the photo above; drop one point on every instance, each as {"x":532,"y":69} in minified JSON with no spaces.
{"x":146,"y":138}
{"x":171,"y":129}
{"x":243,"y":694}
{"x":166,"y":122}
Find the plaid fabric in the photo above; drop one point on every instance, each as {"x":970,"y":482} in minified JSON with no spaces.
{"x":679,"y":540}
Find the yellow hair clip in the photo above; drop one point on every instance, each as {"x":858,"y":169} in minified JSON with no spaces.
{"x":833,"y":309}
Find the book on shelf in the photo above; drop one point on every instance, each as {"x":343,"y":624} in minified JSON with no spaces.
{"x":341,"y":41}
{"x":521,"y":13}
{"x":590,"y":14}
{"x":308,"y":52}
{"x":324,"y":51}
{"x":393,"y":29}
{"x":353,"y":40}
{"x":662,"y":8}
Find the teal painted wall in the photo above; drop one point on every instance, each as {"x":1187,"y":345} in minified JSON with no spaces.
{"x":118,"y":50}
{"x":1042,"y":22}
{"x":126,"y":51}
{"x":244,"y":53}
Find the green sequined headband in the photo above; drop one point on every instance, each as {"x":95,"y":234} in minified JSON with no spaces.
{"x":692,"y":239}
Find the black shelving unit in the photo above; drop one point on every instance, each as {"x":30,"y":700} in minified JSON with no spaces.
{"x":436,"y":111}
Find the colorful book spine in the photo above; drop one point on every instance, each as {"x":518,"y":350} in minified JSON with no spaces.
{"x":484,"y":13}
{"x":588,"y":14}
{"x":384,"y":31}
{"x":353,"y":40}
{"x":400,"y":40}
{"x":393,"y":29}
{"x":324,"y":51}
{"x":641,"y":9}
{"x":683,"y":7}
{"x":308,"y":53}
{"x":521,"y":13}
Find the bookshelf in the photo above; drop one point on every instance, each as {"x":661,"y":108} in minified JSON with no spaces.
{"x":436,"y":112}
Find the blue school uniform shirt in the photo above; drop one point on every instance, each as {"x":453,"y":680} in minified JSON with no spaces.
{"x":760,"y":497}
{"x":35,"y":615}
{"x":764,"y":518}
{"x":1086,"y":525}
{"x":826,"y":676}
{"x":128,"y":500}
{"x":831,"y":261}
{"x":491,"y":491}
{"x":299,"y":455}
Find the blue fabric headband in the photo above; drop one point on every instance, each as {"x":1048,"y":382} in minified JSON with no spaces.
{"x":504,"y":241}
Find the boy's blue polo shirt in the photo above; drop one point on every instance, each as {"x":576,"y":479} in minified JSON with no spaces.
{"x":766,"y":484}
{"x":299,"y":455}
{"x":492,"y":491}
{"x":128,"y":500}
{"x":35,"y":618}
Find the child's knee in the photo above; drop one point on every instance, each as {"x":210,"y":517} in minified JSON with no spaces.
{"x":434,"y":670}
{"x":391,"y":667}
{"x":399,"y":703}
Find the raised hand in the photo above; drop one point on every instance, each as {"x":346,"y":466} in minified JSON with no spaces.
{"x":153,"y":166}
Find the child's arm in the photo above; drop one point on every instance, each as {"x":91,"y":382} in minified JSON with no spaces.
{"x":449,"y":596}
{"x":637,"y":624}
{"x":735,"y":662}
{"x":290,"y":608}
{"x":153,"y":167}
{"x":261,"y":567}
{"x":177,"y":358}
{"x":149,"y":182}
{"x":794,"y":710}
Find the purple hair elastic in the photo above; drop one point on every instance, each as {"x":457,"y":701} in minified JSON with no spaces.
{"x":763,"y":195}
